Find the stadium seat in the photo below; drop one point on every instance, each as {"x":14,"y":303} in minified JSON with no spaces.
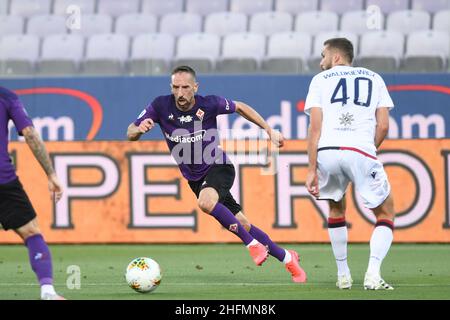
{"x":178,"y":24}
{"x":381,"y":51}
{"x":92,"y":24}
{"x":388,"y":6}
{"x":319,"y":39}
{"x":268,"y":23}
{"x":135,"y":23}
{"x":441,"y":21}
{"x":160,"y":7}
{"x":341,"y":6}
{"x":86,"y":6}
{"x":408,"y":21}
{"x":296,"y":6}
{"x":18,"y":54}
{"x":206,"y":7}
{"x":28,"y":8}
{"x":430,"y":6}
{"x":42,"y":25}
{"x":117,"y":7}
{"x":151,"y":53}
{"x":61,"y":54}
{"x":10,"y":25}
{"x":360,"y":22}
{"x":199,"y":50}
{"x":287,"y":52}
{"x":223,"y":23}
{"x":4,"y":6}
{"x":314,"y":22}
{"x":105,"y":54}
{"x":250,"y":6}
{"x":426,"y":51}
{"x":241,"y":53}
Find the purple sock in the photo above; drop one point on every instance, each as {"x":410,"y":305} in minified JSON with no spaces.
{"x":40,"y":258}
{"x":229,"y":222}
{"x":262,"y":237}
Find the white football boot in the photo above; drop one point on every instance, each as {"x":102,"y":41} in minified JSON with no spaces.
{"x":375,"y":282}
{"x":344,"y":282}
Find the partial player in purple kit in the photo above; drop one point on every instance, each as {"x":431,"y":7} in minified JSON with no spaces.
{"x":16,"y":210}
{"x":188,"y":123}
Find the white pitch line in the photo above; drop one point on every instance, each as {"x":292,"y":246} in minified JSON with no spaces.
{"x":237,"y":284}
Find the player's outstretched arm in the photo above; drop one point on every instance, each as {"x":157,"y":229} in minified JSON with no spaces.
{"x":134,"y":132}
{"x":37,"y":146}
{"x":251,"y":115}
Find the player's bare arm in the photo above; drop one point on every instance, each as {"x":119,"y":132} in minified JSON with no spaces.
{"x":314,"y":131}
{"x":134,"y":132}
{"x":382,"y":128}
{"x":37,"y":146}
{"x":251,"y":115}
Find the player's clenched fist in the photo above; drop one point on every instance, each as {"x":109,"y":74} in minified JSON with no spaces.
{"x":146,"y":125}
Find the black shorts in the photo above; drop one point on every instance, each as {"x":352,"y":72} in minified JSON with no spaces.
{"x":221,"y":178}
{"x":15,"y":206}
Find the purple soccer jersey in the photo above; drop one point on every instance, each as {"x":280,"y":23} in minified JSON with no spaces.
{"x":192,"y":136}
{"x":10,"y":109}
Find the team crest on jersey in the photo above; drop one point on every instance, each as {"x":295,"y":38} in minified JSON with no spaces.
{"x":346,"y":119}
{"x":200,"y":113}
{"x":170,"y":116}
{"x":185,"y":119}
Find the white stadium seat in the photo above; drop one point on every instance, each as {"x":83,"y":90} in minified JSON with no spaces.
{"x":441,"y":21}
{"x":63,"y":46}
{"x":117,"y":7}
{"x":61,"y":7}
{"x":341,"y":6}
{"x":61,"y":54}
{"x":162,"y":7}
{"x":42,"y":25}
{"x":202,"y":55}
{"x":388,"y":6}
{"x":223,"y":23}
{"x":153,"y":46}
{"x":181,"y":23}
{"x":151,"y":53}
{"x":203,"y":7}
{"x":287,"y":52}
{"x":314,"y":22}
{"x":198,"y":45}
{"x":4,"y":6}
{"x":23,"y":47}
{"x":135,"y":23}
{"x":242,"y":52}
{"x":431,"y":6}
{"x":92,"y":24}
{"x":360,"y":22}
{"x":382,"y":43}
{"x":296,"y":6}
{"x":250,"y":6}
{"x":268,"y":23}
{"x":18,"y":54}
{"x":10,"y":25}
{"x":428,"y":43}
{"x":106,"y":54}
{"x":426,"y":51}
{"x":28,"y":8}
{"x":408,"y":21}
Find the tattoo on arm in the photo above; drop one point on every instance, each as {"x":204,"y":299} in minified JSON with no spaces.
{"x":37,"y":146}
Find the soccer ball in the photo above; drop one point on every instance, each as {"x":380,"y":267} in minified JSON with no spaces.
{"x":143,"y":275}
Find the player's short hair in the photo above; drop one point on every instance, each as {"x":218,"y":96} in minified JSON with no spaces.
{"x":344,"y":45}
{"x":185,"y":69}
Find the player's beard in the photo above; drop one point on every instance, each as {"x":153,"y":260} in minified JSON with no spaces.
{"x":184,"y":104}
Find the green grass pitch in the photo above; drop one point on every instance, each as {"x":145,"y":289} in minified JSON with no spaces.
{"x":226,"y":272}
